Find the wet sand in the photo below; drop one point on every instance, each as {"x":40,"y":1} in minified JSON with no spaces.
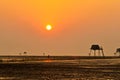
{"x":49,"y":69}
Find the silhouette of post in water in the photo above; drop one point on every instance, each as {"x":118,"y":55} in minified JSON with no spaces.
{"x":96,"y":48}
{"x":117,"y":51}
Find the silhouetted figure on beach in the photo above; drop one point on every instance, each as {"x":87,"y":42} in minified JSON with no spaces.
{"x":48,"y":56}
{"x":117,"y":51}
{"x":96,"y":48}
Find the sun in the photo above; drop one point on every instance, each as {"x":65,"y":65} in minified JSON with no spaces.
{"x":48,"y":27}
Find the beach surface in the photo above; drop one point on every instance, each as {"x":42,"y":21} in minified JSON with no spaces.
{"x":59,"y":68}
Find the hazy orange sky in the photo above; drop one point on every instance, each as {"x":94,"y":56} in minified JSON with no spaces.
{"x":77,"y":24}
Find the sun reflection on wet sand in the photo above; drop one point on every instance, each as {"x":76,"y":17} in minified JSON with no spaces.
{"x":48,"y":60}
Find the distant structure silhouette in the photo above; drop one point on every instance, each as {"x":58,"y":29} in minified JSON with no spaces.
{"x":117,"y":51}
{"x":25,"y":53}
{"x":96,"y":48}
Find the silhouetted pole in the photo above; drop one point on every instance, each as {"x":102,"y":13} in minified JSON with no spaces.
{"x":90,"y":52}
{"x":43,"y":54}
{"x":114,"y":54}
{"x":103,"y":52}
{"x":94,"y":52}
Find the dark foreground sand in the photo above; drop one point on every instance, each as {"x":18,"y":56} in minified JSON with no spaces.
{"x":83,"y":69}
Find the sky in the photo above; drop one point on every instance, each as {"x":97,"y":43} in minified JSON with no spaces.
{"x":77,"y":24}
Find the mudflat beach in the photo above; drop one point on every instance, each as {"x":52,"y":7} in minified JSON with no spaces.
{"x":59,"y":68}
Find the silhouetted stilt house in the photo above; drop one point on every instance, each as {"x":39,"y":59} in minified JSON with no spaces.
{"x":96,"y":49}
{"x":117,"y":51}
